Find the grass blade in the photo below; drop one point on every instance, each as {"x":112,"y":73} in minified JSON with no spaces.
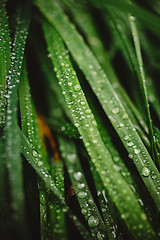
{"x":5,"y":60}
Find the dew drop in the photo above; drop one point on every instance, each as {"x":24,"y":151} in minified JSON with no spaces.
{"x":130,"y":144}
{"x":71,"y":157}
{"x":81,"y":185}
{"x":137,"y":151}
{"x":78,"y":176}
{"x":93,"y":221}
{"x":90,"y":201}
{"x":77,"y":88}
{"x":40,"y":163}
{"x":69,"y":84}
{"x":94,"y":123}
{"x":76,"y":124}
{"x":145,"y":172}
{"x":84,"y":211}
{"x":126,"y":137}
{"x":82,"y":103}
{"x":82,"y":195}
{"x":34,"y":153}
{"x":104,"y":210}
{"x":115,"y":110}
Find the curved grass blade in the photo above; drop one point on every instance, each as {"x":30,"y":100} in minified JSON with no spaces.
{"x":86,"y":124}
{"x":106,"y":95}
{"x":84,"y":196}
{"x":143,"y":87}
{"x":5,"y":59}
{"x":13,"y":157}
{"x":43,"y":173}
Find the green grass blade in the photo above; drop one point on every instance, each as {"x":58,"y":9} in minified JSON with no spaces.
{"x":86,"y":124}
{"x":142,"y":80}
{"x":5,"y":60}
{"x":81,"y":189}
{"x":110,"y":101}
{"x":13,"y":157}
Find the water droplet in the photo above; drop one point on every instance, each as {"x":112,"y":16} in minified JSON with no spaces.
{"x":40,"y":163}
{"x":104,"y":210}
{"x":81,"y":185}
{"x":84,"y":211}
{"x":115,"y":110}
{"x":137,"y":151}
{"x":145,"y":172}
{"x":90,"y":201}
{"x":76,"y":124}
{"x":82,"y":103}
{"x":82,"y":195}
{"x":71,"y":157}
{"x":126,"y":137}
{"x":77,"y":88}
{"x":63,"y":92}
{"x":69,"y":84}
{"x":130,"y":156}
{"x":130,"y":144}
{"x":94,"y":123}
{"x":35,"y":154}
{"x":93,"y":221}
{"x":125,"y":116}
{"x":77,"y":175}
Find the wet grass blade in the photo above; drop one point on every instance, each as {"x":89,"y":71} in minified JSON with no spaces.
{"x":13,"y":157}
{"x":5,"y":60}
{"x":142,"y":80}
{"x":110,"y":101}
{"x":87,"y":126}
{"x":84,"y":196}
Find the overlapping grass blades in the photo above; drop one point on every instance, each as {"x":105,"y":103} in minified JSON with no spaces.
{"x":110,"y":101}
{"x":79,"y":143}
{"x":87,"y":126}
{"x":50,"y":176}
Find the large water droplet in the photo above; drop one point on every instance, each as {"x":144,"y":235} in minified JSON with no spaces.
{"x":77,"y":175}
{"x":137,"y":151}
{"x":77,"y":88}
{"x":82,"y":194}
{"x":34,"y":153}
{"x":93,"y":221}
{"x":115,"y":110}
{"x":130,"y":144}
{"x":145,"y":172}
{"x":71,"y":157}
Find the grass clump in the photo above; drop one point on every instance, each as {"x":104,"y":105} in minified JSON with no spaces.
{"x":79,"y":118}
